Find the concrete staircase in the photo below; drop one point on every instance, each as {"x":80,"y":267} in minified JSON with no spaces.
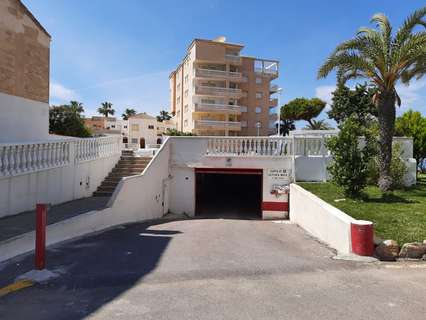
{"x":128,"y":165}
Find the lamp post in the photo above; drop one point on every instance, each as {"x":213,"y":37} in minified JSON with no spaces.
{"x":258,"y":125}
{"x":279,"y":111}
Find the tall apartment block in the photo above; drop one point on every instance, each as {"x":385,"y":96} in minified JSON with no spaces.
{"x":217,"y":91}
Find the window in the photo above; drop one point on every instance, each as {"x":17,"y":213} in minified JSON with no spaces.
{"x":186,"y":79}
{"x":258,"y":109}
{"x":258,"y":80}
{"x":185,"y":123}
{"x":151,"y":127}
{"x":186,"y":108}
{"x":135,"y":140}
{"x":178,"y":100}
{"x":125,"y":127}
{"x":186,"y":93}
{"x":243,"y":109}
{"x":243,"y":123}
{"x":178,"y":87}
{"x":259,"y":95}
{"x":135,"y":127}
{"x":208,"y":101}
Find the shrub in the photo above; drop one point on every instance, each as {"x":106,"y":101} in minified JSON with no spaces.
{"x":174,"y":132}
{"x":398,"y":169}
{"x":349,"y":167}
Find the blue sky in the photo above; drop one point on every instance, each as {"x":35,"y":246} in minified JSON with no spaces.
{"x":122,"y":51}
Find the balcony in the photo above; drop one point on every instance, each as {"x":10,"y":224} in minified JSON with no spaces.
{"x":273,"y":103}
{"x":217,"y":125}
{"x":215,"y":107}
{"x":218,"y":74}
{"x":273,"y":88}
{"x":234,"y":59}
{"x":220,"y":91}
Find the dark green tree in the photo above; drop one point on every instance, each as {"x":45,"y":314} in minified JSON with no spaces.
{"x":286,"y":126}
{"x":67,"y":120}
{"x":383,"y":58}
{"x":174,"y":132}
{"x":357,"y":103}
{"x":164,"y":115}
{"x":128,"y":113}
{"x":349,"y":167}
{"x":106,"y":109}
{"x":302,"y":109}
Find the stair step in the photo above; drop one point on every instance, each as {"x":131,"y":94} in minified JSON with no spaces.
{"x":106,"y":188}
{"x":129,"y":167}
{"x":102,"y":194}
{"x":107,"y":183}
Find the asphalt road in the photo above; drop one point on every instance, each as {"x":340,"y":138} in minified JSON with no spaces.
{"x":212,"y":269}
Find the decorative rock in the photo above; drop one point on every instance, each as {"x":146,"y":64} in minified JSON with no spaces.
{"x":388,"y":250}
{"x":413,"y":250}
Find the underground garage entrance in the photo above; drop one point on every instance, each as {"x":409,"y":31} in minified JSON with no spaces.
{"x":231,"y":193}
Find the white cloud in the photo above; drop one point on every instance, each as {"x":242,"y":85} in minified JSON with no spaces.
{"x":410,"y":95}
{"x":325,"y":94}
{"x":60,"y":93}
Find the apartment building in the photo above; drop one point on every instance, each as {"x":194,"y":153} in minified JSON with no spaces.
{"x":218,"y":91}
{"x":24,"y":74}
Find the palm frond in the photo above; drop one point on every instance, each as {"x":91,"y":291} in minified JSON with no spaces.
{"x":415,"y":19}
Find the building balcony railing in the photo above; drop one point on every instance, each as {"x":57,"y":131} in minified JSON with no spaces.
{"x":266,"y":72}
{"x":220,"y":91}
{"x":217,"y":124}
{"x":215,"y":107}
{"x":209,"y":73}
{"x":273,"y":88}
{"x":233,"y":58}
{"x":273,"y":102}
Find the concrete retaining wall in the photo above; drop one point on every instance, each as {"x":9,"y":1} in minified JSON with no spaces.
{"x":321,"y":219}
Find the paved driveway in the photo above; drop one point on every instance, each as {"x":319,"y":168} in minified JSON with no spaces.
{"x":212,"y":269}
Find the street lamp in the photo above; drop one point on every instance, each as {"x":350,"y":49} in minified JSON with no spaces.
{"x":258,"y":125}
{"x":279,"y":111}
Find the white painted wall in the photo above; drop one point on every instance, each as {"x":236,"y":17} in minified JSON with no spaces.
{"x":23,"y":119}
{"x":73,"y":179}
{"x":320,"y":219}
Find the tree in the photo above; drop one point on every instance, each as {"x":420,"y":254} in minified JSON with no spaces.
{"x":76,"y":107}
{"x":164,"y":115}
{"x":66,"y":120}
{"x":412,"y":124}
{"x":286,"y":126}
{"x":383,"y":58}
{"x":128,"y":113}
{"x":302,"y":109}
{"x":349,"y":167}
{"x":318,"y":125}
{"x":106,"y":109}
{"x":356,"y":103}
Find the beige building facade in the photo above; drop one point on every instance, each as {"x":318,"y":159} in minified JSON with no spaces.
{"x":24,"y":74}
{"x":217,"y":91}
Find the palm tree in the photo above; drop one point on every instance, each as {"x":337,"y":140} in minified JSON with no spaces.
{"x":318,"y":125}
{"x":76,"y":107}
{"x":384,"y":59}
{"x":128,"y":113}
{"x":164,"y":115}
{"x":106,"y":109}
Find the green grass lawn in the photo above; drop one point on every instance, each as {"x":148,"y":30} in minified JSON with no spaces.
{"x":400,"y":216}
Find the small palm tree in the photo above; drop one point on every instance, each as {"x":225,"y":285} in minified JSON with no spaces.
{"x":106,"y":109}
{"x":76,"y":107}
{"x":164,"y":115}
{"x":383,"y":58}
{"x":128,"y":113}
{"x":318,"y":125}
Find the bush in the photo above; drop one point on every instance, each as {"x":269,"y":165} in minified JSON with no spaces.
{"x":349,"y":167}
{"x":174,"y":132}
{"x":398,"y":169}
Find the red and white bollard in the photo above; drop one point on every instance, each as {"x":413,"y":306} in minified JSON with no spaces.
{"x":40,"y":243}
{"x":362,"y":237}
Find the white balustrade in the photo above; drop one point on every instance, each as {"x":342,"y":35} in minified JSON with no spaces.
{"x":250,"y":146}
{"x":22,"y":158}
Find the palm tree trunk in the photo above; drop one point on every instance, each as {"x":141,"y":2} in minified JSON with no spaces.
{"x":386,"y":117}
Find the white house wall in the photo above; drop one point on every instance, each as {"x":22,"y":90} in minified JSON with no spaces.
{"x":23,"y":119}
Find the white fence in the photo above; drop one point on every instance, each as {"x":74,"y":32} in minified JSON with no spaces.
{"x":250,"y":146}
{"x":53,"y":171}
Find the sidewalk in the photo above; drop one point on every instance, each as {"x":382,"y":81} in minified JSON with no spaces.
{"x":15,"y":225}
